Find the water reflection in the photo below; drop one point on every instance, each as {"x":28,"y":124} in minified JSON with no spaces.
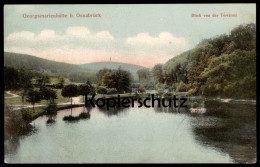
{"x":228,"y":127}
{"x":84,"y":115}
{"x":142,"y":135}
{"x":113,"y":111}
{"x":13,"y":143}
{"x":51,"y":112}
{"x":171,"y":109}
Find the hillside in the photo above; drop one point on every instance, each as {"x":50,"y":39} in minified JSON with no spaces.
{"x":29,"y":62}
{"x":223,"y":66}
{"x":75,"y":72}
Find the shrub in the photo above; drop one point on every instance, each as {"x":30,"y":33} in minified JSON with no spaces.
{"x":101,"y":90}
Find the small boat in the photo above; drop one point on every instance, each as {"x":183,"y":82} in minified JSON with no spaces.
{"x":200,"y":110}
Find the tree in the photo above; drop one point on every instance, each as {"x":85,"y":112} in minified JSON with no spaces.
{"x":61,"y":82}
{"x":34,"y":97}
{"x":11,"y":76}
{"x":109,"y":80}
{"x":244,"y":37}
{"x":25,"y":82}
{"x":43,"y":79}
{"x":123,"y":80}
{"x":48,"y":94}
{"x":101,"y":73}
{"x":118,"y":79}
{"x":158,"y":73}
{"x":70,"y":91}
{"x":86,"y":89}
{"x":143,"y":74}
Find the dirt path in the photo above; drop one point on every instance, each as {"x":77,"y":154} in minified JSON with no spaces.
{"x":75,"y":101}
{"x":12,"y":95}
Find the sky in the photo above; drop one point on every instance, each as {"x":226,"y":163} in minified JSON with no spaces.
{"x":146,"y":34}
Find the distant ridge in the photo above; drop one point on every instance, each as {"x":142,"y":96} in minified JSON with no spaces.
{"x":29,"y":62}
{"x":112,"y":65}
{"x":132,"y":68}
{"x":34,"y":63}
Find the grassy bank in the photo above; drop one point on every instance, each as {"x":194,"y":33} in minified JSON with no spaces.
{"x":18,"y":100}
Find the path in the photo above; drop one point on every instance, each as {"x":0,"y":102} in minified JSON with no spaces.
{"x":75,"y":101}
{"x":12,"y":95}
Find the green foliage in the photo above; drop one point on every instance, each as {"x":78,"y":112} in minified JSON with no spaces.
{"x":101,"y":73}
{"x":14,"y":123}
{"x":109,"y":80}
{"x":34,"y":97}
{"x":86,"y":89}
{"x":61,"y":82}
{"x":118,"y":79}
{"x":43,"y":78}
{"x":224,"y":66}
{"x":143,"y":75}
{"x":182,"y":87}
{"x":70,"y":90}
{"x":158,"y":73}
{"x":101,"y":89}
{"x":83,"y":77}
{"x":17,"y":79}
{"x":232,"y":75}
{"x":27,"y":117}
{"x":48,"y":93}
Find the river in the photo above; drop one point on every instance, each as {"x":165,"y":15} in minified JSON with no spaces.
{"x":225,"y":133}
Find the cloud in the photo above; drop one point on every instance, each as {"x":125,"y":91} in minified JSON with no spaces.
{"x":163,"y":44}
{"x":164,"y":39}
{"x":21,"y":35}
{"x":80,"y":32}
{"x":79,"y":45}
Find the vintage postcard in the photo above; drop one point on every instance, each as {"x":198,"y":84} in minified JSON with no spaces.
{"x":136,"y":83}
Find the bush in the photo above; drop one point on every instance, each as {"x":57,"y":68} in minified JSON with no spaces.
{"x":101,"y":90}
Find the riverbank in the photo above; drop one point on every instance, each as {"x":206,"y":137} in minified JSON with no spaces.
{"x":40,"y":109}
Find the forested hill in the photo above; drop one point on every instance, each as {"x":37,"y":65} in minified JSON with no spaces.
{"x":224,"y":66}
{"x":37,"y":64}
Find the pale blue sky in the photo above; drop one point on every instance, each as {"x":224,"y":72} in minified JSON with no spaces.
{"x":123,"y":23}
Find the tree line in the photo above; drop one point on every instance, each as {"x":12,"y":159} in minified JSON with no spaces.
{"x":223,"y":66}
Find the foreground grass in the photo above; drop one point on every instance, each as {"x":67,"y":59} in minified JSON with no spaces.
{"x":7,"y":95}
